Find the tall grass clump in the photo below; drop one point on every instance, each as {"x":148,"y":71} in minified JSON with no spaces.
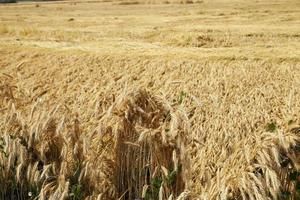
{"x":150,"y":146}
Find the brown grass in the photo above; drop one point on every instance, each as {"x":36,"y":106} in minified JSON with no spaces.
{"x":4,"y":29}
{"x":124,"y":2}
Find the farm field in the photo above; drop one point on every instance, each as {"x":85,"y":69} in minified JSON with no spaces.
{"x":150,"y":100}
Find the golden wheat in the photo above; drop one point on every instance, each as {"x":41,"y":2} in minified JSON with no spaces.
{"x":126,"y":100}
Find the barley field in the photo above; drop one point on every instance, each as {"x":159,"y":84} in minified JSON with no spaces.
{"x":150,"y":100}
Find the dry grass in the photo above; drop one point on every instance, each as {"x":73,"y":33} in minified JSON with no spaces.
{"x":133,"y":2}
{"x":4,"y":29}
{"x":150,"y":101}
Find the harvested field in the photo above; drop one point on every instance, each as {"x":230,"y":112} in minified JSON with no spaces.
{"x":150,"y":100}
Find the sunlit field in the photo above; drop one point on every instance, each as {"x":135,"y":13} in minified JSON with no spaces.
{"x":150,"y":100}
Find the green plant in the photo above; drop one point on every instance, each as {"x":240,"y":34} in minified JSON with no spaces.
{"x":75,"y":186}
{"x":76,"y":192}
{"x":271,"y":127}
{"x":172,"y":175}
{"x":181,"y":97}
{"x":153,"y":191}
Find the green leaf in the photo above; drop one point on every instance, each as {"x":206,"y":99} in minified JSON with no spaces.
{"x":271,"y":127}
{"x":293,"y":175}
{"x":290,"y":122}
{"x":297,"y":147}
{"x":171,"y":177}
{"x":156,"y":182}
{"x":285,"y":195}
{"x":182,"y":95}
{"x":155,"y":186}
{"x":298,"y":186}
{"x":173,"y":174}
{"x":76,"y":192}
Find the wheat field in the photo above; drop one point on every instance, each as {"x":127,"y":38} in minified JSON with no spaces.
{"x":152,"y":100}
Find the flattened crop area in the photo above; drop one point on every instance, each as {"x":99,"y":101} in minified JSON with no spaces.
{"x":116,"y":100}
